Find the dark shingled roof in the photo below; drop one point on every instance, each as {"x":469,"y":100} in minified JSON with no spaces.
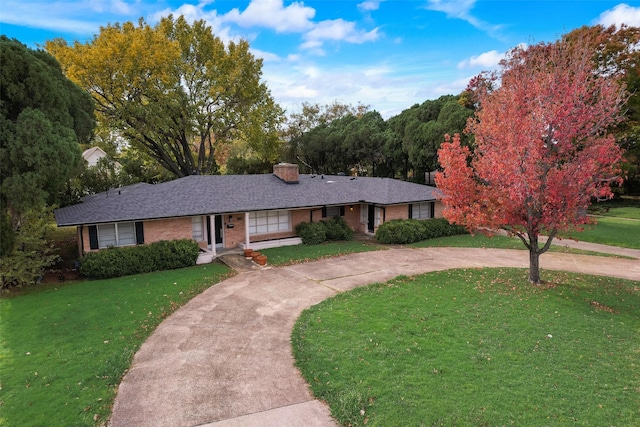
{"x":220,"y":194}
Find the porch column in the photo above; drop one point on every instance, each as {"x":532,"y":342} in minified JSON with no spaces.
{"x":212,"y":228}
{"x":246,"y":230}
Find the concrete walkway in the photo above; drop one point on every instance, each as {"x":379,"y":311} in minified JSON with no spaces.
{"x":224,"y":358}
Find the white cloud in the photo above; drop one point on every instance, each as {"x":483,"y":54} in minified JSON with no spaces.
{"x":461,"y":9}
{"x":265,"y":56}
{"x":51,"y":23}
{"x":58,"y":16}
{"x":620,"y":14}
{"x":369,"y":5}
{"x":121,"y":7}
{"x":196,"y":13}
{"x":337,"y":30}
{"x":378,"y":85}
{"x":190,"y":12}
{"x":487,"y":60}
{"x":295,"y":17}
{"x":453,"y":8}
{"x":447,"y":87}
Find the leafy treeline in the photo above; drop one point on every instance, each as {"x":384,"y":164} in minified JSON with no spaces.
{"x":175,"y":92}
{"x":356,"y":140}
{"x":331,"y":139}
{"x":182,"y":100}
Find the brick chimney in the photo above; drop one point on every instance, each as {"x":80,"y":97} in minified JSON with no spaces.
{"x":288,"y":172}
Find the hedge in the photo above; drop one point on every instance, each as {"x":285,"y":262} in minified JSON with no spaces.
{"x":403,"y":231}
{"x":314,"y":233}
{"x":124,"y":261}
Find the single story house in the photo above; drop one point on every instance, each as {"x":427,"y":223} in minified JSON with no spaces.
{"x":241,"y":211}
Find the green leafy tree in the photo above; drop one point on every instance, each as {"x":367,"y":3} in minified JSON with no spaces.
{"x":310,"y":117}
{"x":420,"y":130}
{"x":33,"y":253}
{"x":615,"y":51}
{"x":396,"y":163}
{"x":43,"y":118}
{"x":175,"y":91}
{"x":323,"y":148}
{"x":364,"y":141}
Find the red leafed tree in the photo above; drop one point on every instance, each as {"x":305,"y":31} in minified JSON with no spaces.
{"x":542,"y":148}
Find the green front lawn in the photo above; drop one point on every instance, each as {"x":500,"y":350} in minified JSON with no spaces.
{"x":495,"y":242}
{"x":65,"y":347}
{"x":621,"y":208}
{"x":625,"y":212}
{"x":476,"y":347}
{"x":613,"y":231}
{"x":286,"y":255}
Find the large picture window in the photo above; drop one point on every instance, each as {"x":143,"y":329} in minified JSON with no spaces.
{"x":266,"y":222}
{"x":120,"y":234}
{"x":421,"y":210}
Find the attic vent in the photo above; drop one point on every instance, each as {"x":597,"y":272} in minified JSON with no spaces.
{"x":288,"y":172}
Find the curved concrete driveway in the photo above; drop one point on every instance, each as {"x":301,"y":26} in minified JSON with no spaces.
{"x":224,"y":358}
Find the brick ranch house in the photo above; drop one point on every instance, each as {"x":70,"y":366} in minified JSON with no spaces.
{"x":241,"y":211}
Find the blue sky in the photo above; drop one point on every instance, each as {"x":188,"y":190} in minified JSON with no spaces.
{"x":388,"y":54}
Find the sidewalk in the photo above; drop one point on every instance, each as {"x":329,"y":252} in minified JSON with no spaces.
{"x":224,"y":359}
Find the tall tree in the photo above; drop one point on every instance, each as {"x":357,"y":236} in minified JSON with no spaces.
{"x":174,"y":91}
{"x":43,"y":118}
{"x":310,"y":117}
{"x":421,"y":129}
{"x":617,"y":50}
{"x":364,"y":141}
{"x":542,"y":147}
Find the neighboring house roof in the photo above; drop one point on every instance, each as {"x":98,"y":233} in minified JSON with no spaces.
{"x":221,"y":194}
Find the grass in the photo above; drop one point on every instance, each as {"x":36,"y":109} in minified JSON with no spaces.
{"x":621,"y":208}
{"x":617,"y":226}
{"x":65,"y":347}
{"x":287,"y":255}
{"x":475,"y":348}
{"x":624,"y":212}
{"x":612,"y":231}
{"x":496,"y":242}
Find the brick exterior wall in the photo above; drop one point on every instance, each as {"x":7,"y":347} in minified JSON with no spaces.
{"x":85,"y":240}
{"x":352,"y":217}
{"x":233,"y":236}
{"x":180,"y":228}
{"x":167,"y":229}
{"x":439,"y":207}
{"x":396,"y":212}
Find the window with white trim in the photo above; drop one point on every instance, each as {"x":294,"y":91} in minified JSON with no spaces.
{"x":378,"y":216}
{"x":364,"y":213}
{"x":196,"y":228}
{"x":422,"y":210}
{"x":120,"y":234}
{"x":266,"y":222}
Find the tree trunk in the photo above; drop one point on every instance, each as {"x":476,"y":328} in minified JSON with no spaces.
{"x":534,"y":258}
{"x":534,"y":266}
